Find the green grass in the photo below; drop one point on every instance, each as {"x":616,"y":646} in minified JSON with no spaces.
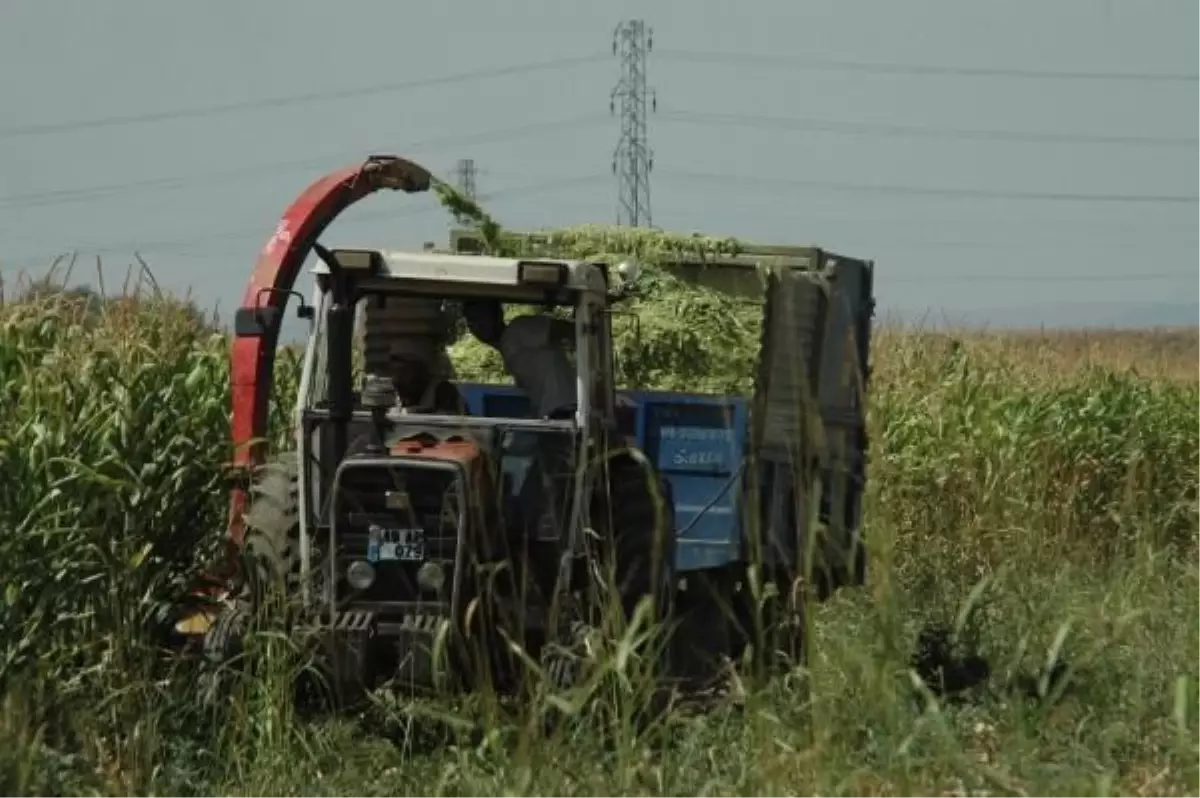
{"x":1040,"y":504}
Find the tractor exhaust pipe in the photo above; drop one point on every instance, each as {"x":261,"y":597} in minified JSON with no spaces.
{"x":339,"y":321}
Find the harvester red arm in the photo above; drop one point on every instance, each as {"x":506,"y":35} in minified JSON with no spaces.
{"x":257,"y":322}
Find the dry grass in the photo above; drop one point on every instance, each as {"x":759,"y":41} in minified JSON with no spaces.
{"x":1037,"y":492}
{"x":1169,"y":353}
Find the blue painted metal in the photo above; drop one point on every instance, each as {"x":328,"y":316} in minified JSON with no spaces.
{"x":696,"y":441}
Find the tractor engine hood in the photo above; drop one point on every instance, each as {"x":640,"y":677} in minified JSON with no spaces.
{"x":455,"y":446}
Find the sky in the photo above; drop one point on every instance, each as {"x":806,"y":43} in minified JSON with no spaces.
{"x":1024,"y":159}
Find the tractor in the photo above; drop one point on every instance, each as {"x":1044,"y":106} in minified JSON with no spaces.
{"x":413,"y":536}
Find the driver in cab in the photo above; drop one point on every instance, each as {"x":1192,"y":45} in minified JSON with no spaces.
{"x":533,"y":348}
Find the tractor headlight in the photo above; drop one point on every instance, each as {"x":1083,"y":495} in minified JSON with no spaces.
{"x":360,"y":575}
{"x":431,"y":577}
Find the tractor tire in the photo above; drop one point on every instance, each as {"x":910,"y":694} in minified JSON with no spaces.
{"x":634,"y":520}
{"x":271,"y":550}
{"x":220,"y":652}
{"x":269,"y":565}
{"x":633,"y":517}
{"x":566,"y":663}
{"x":640,"y":519}
{"x":337,"y":675}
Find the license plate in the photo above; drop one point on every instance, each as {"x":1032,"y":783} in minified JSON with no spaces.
{"x":392,"y":544}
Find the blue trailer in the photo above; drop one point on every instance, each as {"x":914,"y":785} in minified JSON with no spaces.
{"x":776,"y":477}
{"x":697,"y":442}
{"x":781,"y":472}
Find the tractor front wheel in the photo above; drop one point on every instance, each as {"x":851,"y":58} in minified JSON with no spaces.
{"x":271,"y":550}
{"x":272,"y":586}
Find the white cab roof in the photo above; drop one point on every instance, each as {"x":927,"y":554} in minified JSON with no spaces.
{"x":465,"y":270}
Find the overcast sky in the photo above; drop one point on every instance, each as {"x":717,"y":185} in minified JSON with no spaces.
{"x":184,"y":129}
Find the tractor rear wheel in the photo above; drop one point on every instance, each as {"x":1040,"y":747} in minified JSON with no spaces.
{"x":633,"y":517}
{"x":639,"y":518}
{"x":634,"y":542}
{"x":634,"y":521}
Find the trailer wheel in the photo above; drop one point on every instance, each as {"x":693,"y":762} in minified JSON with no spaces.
{"x":772,"y":627}
{"x":706,"y":612}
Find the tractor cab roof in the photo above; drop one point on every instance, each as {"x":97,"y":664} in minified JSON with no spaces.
{"x":465,"y":276}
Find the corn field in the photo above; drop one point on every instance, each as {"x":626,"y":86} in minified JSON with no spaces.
{"x":1038,"y":493}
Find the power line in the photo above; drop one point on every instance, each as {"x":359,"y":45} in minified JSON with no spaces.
{"x":67,"y":195}
{"x":264,"y":231}
{"x":283,"y":101}
{"x":897,"y":68}
{"x":728,"y":181}
{"x":916,"y":131}
{"x":633,"y":159}
{"x":70,"y":195}
{"x":256,"y":231}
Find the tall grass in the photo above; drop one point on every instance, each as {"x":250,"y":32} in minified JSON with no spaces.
{"x":1043,"y":505}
